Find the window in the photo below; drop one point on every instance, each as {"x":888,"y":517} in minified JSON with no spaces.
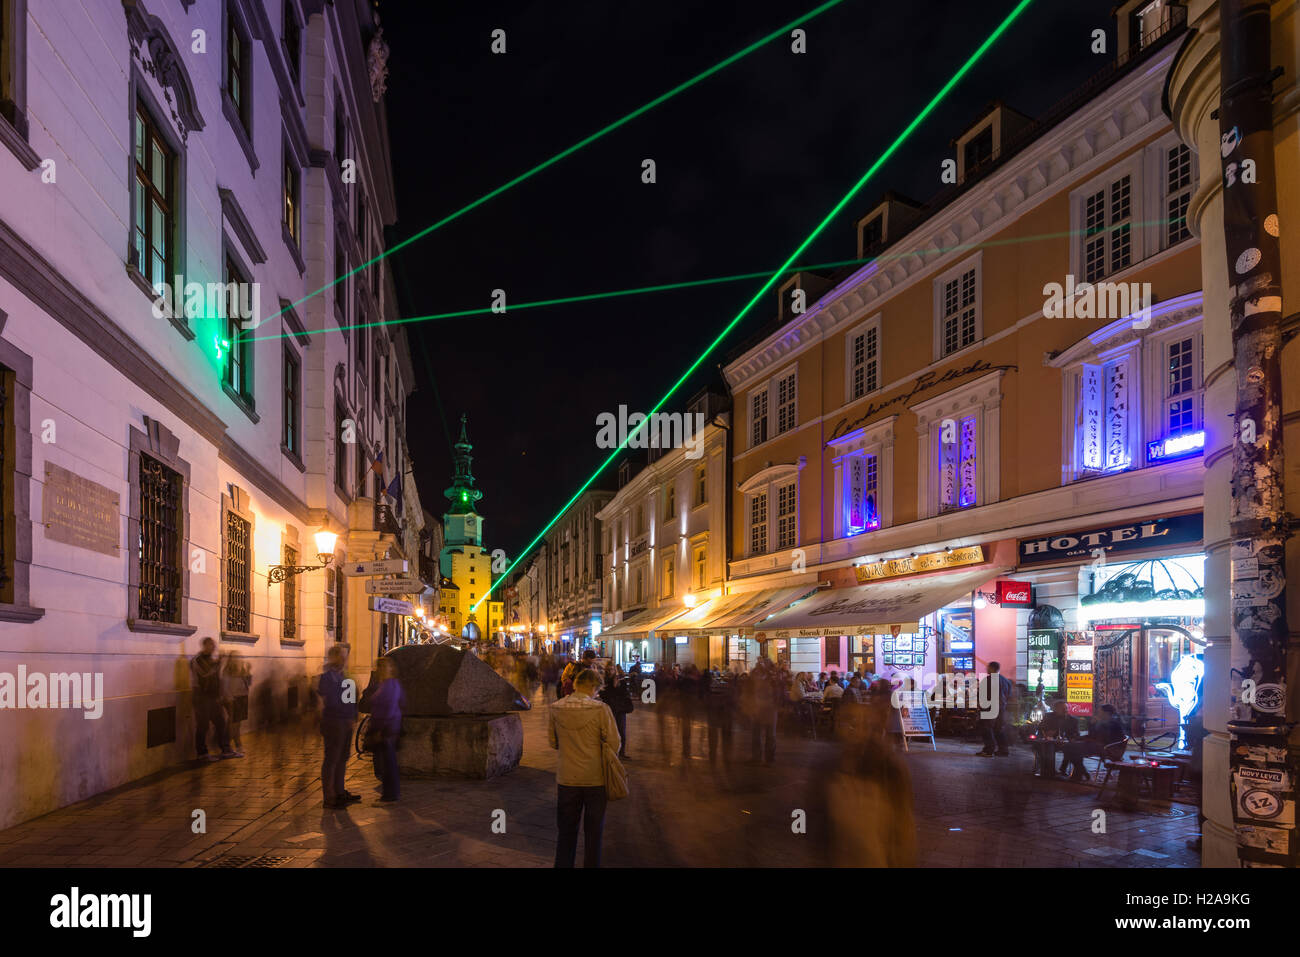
{"x":340,"y":128}
{"x":292,"y":40}
{"x":159,"y":548}
{"x":1178,"y":192}
{"x":758,"y":524}
{"x":785,"y":403}
{"x":292,"y":403}
{"x":341,"y":286}
{"x":864,"y":360}
{"x":155,"y":190}
{"x":786,"y":518}
{"x":290,"y":618}
{"x":670,"y":584}
{"x":238,"y":61}
{"x":758,"y":417}
{"x":979,"y":149}
{"x":872,"y":233}
{"x":239,"y":571}
{"x":362,"y":335}
{"x":670,"y":502}
{"x":1108,"y":229}
{"x":238,"y":357}
{"x":13,"y":81}
{"x":958,"y":464}
{"x":862,"y":493}
{"x":701,"y":566}
{"x":958,"y":319}
{"x":1182,"y":387}
{"x":341,"y":435}
{"x":361,"y":219}
{"x":701,"y":485}
{"x":639,"y":526}
{"x":291,"y":216}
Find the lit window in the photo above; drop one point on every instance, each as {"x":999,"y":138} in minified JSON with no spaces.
{"x":758,"y":418}
{"x":862,"y":494}
{"x":758,"y":524}
{"x":154,"y":202}
{"x":864,"y":362}
{"x":958,"y":325}
{"x":785,"y":404}
{"x":958,"y":464}
{"x":786,"y":524}
{"x":1108,"y":229}
{"x":1178,"y":193}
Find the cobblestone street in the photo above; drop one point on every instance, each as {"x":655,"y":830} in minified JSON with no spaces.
{"x":265,"y":810}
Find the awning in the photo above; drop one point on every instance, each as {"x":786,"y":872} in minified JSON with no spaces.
{"x":736,"y":614}
{"x":875,"y":609}
{"x":643,"y":623}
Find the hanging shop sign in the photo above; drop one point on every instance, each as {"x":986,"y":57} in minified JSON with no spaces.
{"x":929,"y":562}
{"x":394,"y":586}
{"x":1014,"y":593}
{"x":393,"y":606}
{"x":1078,"y":674}
{"x":1178,"y":530}
{"x":387,"y":566}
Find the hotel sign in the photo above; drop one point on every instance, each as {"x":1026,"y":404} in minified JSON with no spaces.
{"x":929,"y":562}
{"x":77,"y":511}
{"x":1179,"y":530}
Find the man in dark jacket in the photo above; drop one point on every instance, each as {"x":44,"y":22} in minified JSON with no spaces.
{"x":205,"y":677}
{"x":1105,"y":737}
{"x":995,"y":708}
{"x":760,"y":704}
{"x":616,"y":694}
{"x":337,"y":704}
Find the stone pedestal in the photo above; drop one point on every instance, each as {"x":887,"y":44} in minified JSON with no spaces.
{"x":464,"y":746}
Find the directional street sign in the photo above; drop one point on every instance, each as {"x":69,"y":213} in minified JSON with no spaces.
{"x":394,"y":586}
{"x":389,"y":566}
{"x":393,"y":606}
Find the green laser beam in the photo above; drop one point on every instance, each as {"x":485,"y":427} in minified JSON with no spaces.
{"x":871,"y":171}
{"x":716,"y":280}
{"x":664,"y":97}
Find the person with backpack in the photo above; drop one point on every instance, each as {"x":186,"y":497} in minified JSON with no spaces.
{"x":205,"y":676}
{"x":618,"y":696}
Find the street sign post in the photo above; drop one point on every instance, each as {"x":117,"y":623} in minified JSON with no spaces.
{"x":394,"y":586}
{"x":393,"y":606}
{"x":387,"y":566}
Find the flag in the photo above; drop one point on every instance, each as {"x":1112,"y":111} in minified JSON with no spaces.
{"x":377,"y":465}
{"x":394,"y":491}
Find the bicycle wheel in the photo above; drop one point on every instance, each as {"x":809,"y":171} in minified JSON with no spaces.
{"x":361,"y":736}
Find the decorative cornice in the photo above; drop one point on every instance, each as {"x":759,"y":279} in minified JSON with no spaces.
{"x":764,"y":477}
{"x":261,"y":478}
{"x":1171,"y":312}
{"x":985,"y":391}
{"x":164,"y":64}
{"x":234,"y":213}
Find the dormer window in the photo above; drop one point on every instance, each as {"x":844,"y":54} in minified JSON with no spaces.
{"x":979,"y":150}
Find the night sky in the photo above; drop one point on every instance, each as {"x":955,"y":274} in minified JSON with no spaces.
{"x":748,"y":162}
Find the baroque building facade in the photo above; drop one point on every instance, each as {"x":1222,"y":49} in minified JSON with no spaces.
{"x":165,"y":457}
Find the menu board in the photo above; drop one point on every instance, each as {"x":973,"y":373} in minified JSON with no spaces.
{"x":1078,"y":673}
{"x":913,"y":717}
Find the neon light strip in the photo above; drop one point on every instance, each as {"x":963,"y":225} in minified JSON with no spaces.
{"x":884,"y":157}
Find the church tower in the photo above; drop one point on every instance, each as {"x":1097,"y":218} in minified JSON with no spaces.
{"x":464,"y":560}
{"x":462,"y":524}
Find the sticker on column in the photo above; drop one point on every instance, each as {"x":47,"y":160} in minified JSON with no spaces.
{"x":1271,"y":225}
{"x":1248,"y":260}
{"x":1228,"y":142}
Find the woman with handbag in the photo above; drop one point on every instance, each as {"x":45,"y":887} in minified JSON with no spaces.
{"x":385,"y":727}
{"x":583,"y":730}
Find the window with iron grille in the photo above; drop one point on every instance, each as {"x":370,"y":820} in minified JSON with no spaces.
{"x":958,"y":325}
{"x":155,"y":188}
{"x":758,"y":524}
{"x":290,"y":595}
{"x":1108,"y":229}
{"x":864,"y":362}
{"x":786,"y":525}
{"x":159,"y":548}
{"x":239,"y":569}
{"x":1178,"y":193}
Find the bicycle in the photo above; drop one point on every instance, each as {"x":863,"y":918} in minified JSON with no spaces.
{"x":359,"y":742}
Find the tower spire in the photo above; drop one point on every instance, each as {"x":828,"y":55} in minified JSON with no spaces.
{"x":462,"y":493}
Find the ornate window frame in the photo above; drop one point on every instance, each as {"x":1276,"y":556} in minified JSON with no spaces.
{"x":13,"y":107}
{"x":235,"y":501}
{"x":158,"y":442}
{"x":981,"y":398}
{"x":876,"y":439}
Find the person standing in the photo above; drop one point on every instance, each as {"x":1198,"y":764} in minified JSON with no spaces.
{"x":236,"y":680}
{"x":205,"y":677}
{"x":579,"y":726}
{"x":763,"y":691}
{"x":337,"y":704}
{"x":615,"y":693}
{"x":720,"y":705}
{"x":386,"y":727}
{"x":995,"y":692}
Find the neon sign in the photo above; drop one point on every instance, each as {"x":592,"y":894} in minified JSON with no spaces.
{"x":1175,"y":447}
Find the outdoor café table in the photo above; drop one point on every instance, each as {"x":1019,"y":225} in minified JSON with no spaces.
{"x":1054,"y":744}
{"x":1159,"y":776}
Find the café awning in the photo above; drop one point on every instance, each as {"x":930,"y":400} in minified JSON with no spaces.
{"x":644,"y":623}
{"x":736,"y":614}
{"x":876,"y":608}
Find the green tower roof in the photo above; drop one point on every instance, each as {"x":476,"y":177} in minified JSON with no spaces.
{"x":462,"y":493}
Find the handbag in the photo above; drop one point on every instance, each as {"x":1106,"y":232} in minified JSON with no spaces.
{"x":615,"y":773}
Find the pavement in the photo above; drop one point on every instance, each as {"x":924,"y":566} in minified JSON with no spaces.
{"x":264,"y":810}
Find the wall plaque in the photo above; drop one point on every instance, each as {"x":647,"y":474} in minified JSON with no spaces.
{"x":77,"y":511}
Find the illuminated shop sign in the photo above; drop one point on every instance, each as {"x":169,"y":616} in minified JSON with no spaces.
{"x":1175,"y":447}
{"x":1179,"y":530}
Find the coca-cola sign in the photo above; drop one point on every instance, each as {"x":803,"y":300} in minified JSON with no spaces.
{"x":1015,"y":593}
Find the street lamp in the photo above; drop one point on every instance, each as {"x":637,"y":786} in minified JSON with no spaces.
{"x":325,"y":542}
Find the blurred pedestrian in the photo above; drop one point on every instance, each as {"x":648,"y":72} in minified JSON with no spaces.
{"x":616,"y":694}
{"x":205,"y":677}
{"x":720,"y":710}
{"x":337,"y":708}
{"x":385,"y":728}
{"x":763,"y":691}
{"x":236,"y":680}
{"x":579,"y":726}
{"x":995,"y":694}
